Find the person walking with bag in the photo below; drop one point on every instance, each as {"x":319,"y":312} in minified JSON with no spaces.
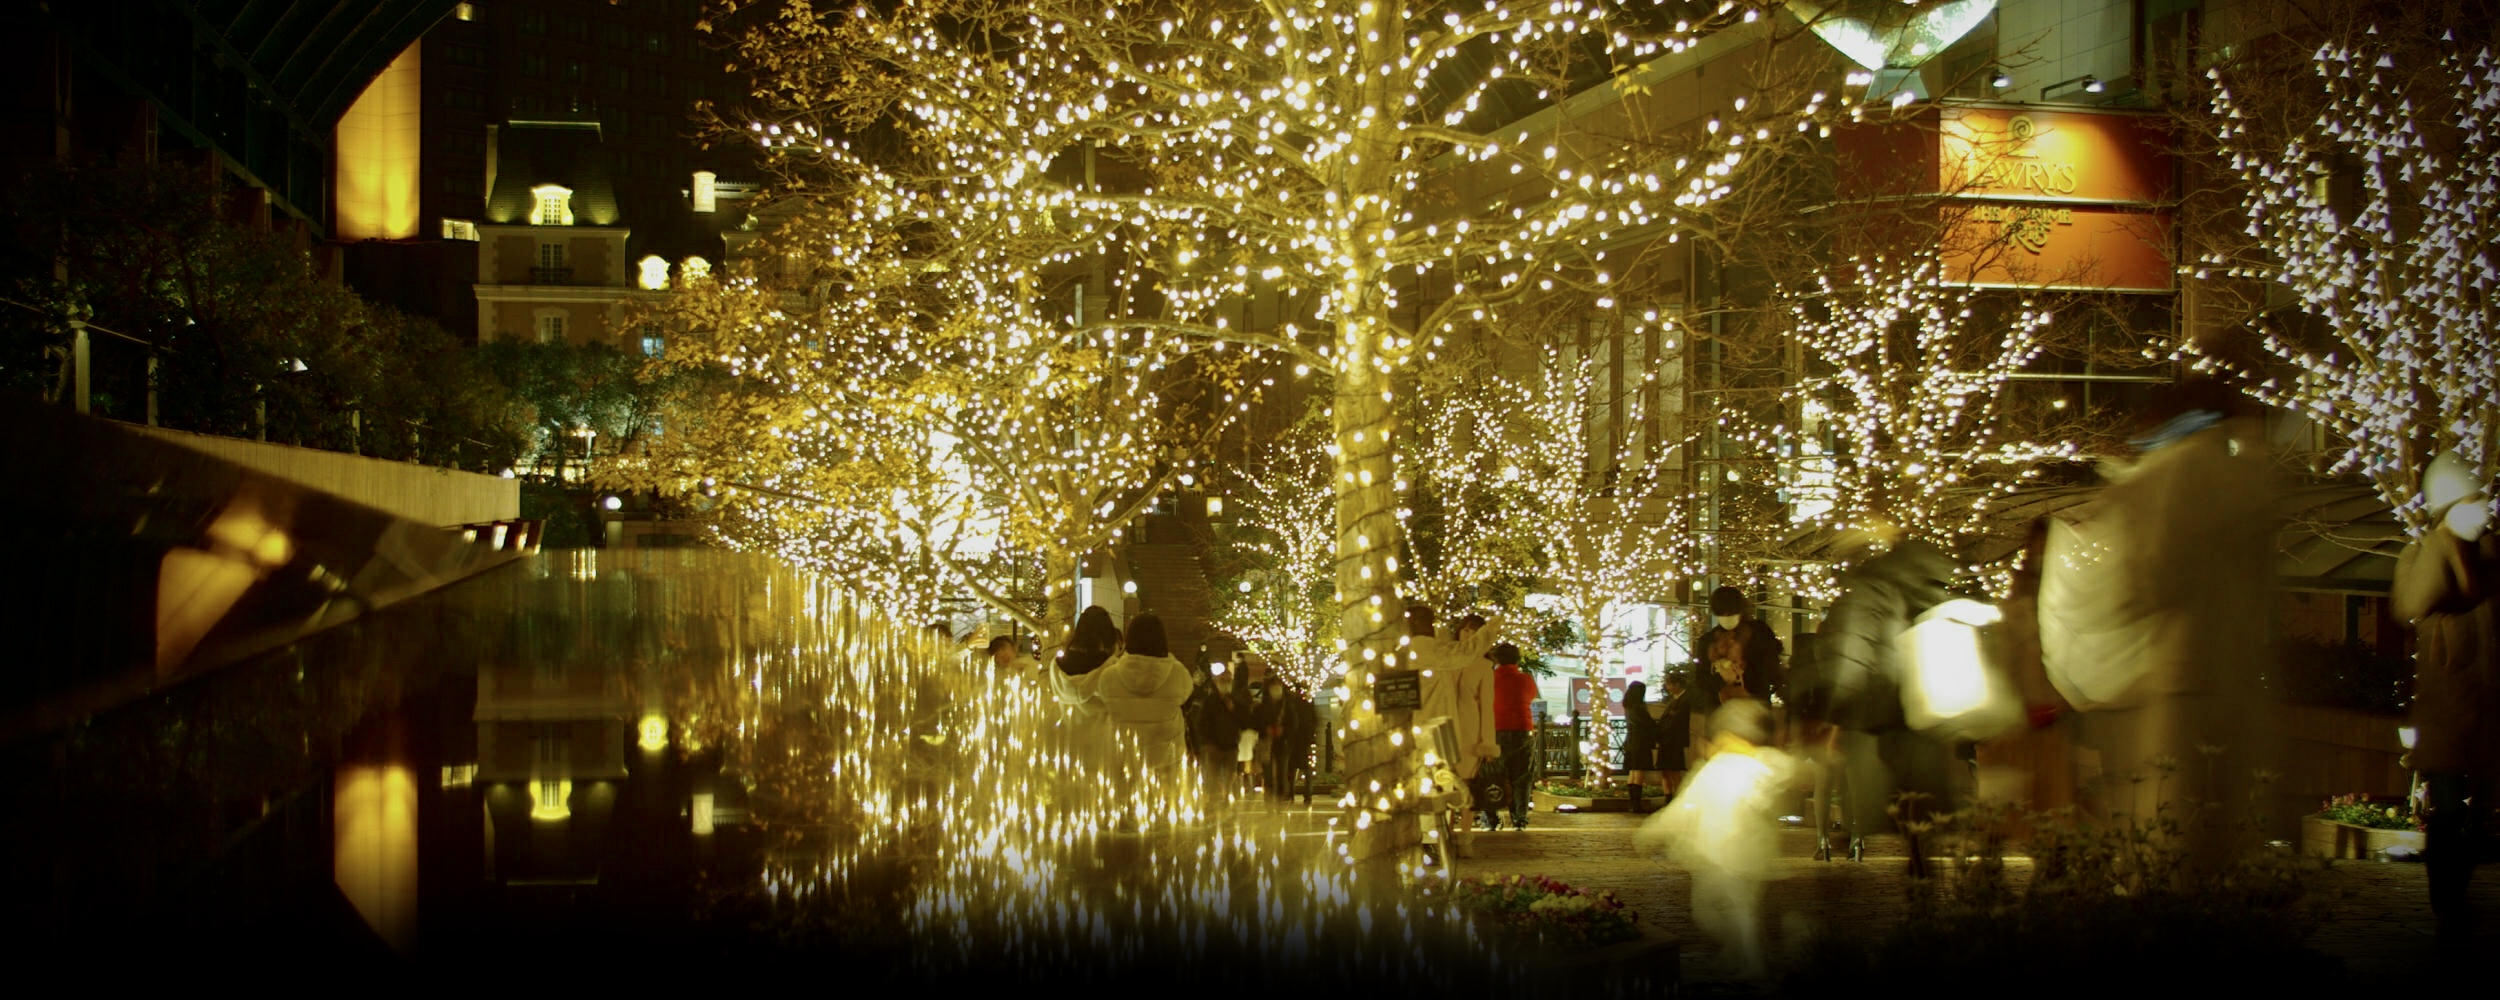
{"x":2444,"y":585}
{"x":1856,"y":680}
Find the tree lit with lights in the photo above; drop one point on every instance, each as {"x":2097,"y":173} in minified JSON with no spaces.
{"x":2378,"y":213}
{"x":1336,"y":185}
{"x":1908,"y":400}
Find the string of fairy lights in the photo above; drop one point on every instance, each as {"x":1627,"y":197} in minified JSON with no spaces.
{"x":2400,"y":277}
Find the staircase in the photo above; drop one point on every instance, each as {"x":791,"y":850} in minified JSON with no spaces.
{"x":1172,"y":586}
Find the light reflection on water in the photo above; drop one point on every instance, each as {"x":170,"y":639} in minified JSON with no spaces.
{"x":706,"y":741}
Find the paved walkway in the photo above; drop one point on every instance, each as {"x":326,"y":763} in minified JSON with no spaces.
{"x":2377,"y":918}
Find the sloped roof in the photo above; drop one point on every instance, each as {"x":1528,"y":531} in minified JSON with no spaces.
{"x":529,"y":154}
{"x":314,"y":56}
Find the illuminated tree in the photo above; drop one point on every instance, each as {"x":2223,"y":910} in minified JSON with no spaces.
{"x":1609,"y":528}
{"x":1284,"y":604}
{"x":2373,"y":197}
{"x":913,"y":443}
{"x":1333,"y":184}
{"x":1907,"y":415}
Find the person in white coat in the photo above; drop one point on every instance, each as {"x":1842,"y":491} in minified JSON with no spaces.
{"x":1458,"y":685}
{"x":1136,"y":694}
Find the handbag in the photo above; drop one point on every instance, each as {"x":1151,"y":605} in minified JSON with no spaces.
{"x":1954,"y":685}
{"x":1490,"y":789}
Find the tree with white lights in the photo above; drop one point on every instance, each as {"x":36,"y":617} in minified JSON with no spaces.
{"x":1335,"y":184}
{"x":1610,"y":528}
{"x":1283,"y":604}
{"x":918,"y":445}
{"x":1908,"y":419}
{"x":2371,"y":193}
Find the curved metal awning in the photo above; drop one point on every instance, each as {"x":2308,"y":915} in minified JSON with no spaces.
{"x":2337,"y":537}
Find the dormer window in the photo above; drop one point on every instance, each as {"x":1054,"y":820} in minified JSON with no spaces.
{"x":655,"y":273}
{"x":551,"y":205}
{"x":694,"y":269}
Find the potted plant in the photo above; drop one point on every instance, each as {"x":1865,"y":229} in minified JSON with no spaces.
{"x":2352,"y":826}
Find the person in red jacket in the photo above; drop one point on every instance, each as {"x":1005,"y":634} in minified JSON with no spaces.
{"x":1513,"y":690}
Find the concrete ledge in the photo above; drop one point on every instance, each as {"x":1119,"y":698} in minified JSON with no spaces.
{"x":422,"y":493}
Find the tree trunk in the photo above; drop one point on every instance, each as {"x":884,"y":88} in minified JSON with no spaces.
{"x":1369,"y":611}
{"x":1059,"y":567}
{"x":1369,"y":607}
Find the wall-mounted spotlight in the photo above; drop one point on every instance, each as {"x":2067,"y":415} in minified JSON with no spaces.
{"x":2000,"y":79}
{"x":2088,"y":90}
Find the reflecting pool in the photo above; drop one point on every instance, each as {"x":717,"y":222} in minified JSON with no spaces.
{"x":667,"y":759}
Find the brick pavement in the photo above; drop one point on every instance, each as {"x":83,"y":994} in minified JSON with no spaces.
{"x":2377,"y":918}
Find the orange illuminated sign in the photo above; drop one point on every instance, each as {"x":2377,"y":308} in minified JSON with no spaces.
{"x":2061,"y":155}
{"x":2035,"y":197}
{"x":2059,"y":246}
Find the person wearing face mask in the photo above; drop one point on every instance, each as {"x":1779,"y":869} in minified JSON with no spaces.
{"x":2444,"y":585}
{"x":1740,"y":653}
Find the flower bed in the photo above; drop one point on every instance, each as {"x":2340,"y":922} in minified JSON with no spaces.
{"x":1545,"y":913}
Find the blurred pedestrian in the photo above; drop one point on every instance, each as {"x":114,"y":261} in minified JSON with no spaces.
{"x":2155,"y":614}
{"x":1645,"y":750}
{"x":2444,"y":585}
{"x":2031,"y":768}
{"x":1723,"y":828}
{"x":1514,"y":731}
{"x":1857,"y":675}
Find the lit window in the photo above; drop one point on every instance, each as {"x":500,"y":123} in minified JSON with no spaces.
{"x":653,"y":346}
{"x":655,"y":273}
{"x":550,"y":329}
{"x":695,"y":269}
{"x":705,"y":191}
{"x":464,"y":12}
{"x":460,"y":229}
{"x":551,"y":205}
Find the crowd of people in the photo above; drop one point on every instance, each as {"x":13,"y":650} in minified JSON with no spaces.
{"x":2121,"y":672}
{"x":1248,"y":731}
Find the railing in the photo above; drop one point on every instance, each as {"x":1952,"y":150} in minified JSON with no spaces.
{"x":551,"y":276}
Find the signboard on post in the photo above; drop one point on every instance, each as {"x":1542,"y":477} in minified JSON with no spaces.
{"x":1398,"y":691}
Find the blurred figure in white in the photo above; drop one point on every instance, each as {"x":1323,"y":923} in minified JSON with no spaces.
{"x":2444,"y":585}
{"x":1722,"y":826}
{"x":1458,"y":685}
{"x":2155,"y":615}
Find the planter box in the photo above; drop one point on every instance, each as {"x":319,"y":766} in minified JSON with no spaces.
{"x":1550,"y":802}
{"x":2325,"y":838}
